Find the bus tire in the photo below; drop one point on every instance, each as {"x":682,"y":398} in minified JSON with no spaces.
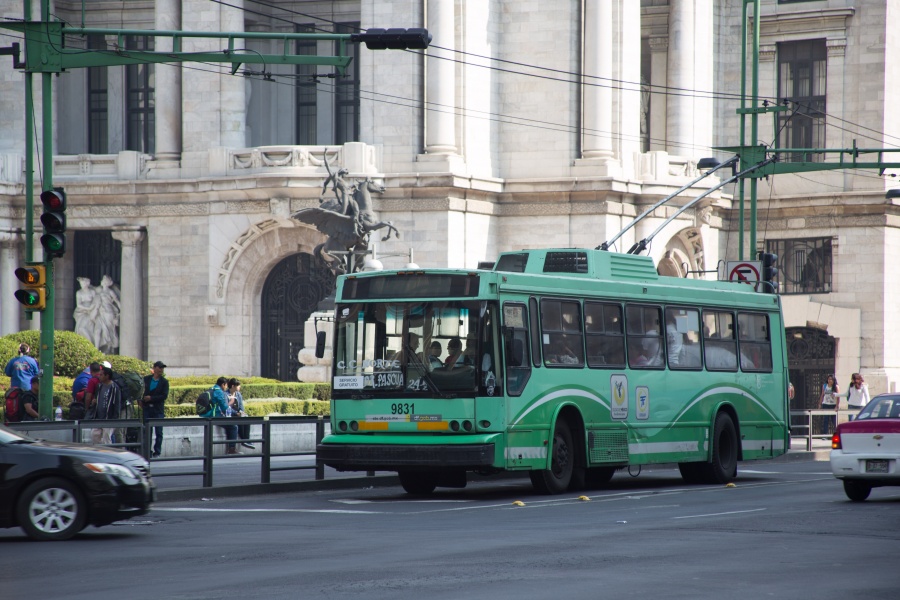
{"x":723,"y":467}
{"x":597,"y":477}
{"x":417,"y":483}
{"x":557,"y":478}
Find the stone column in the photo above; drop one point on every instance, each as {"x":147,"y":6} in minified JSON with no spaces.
{"x":233,"y":89}
{"x":679,"y":105}
{"x":597,"y":77}
{"x":10,"y":309}
{"x":440,"y":84}
{"x":168,"y":85}
{"x":131,"y":318}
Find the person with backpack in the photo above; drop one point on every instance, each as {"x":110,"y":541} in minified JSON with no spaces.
{"x":22,"y":405}
{"x":109,"y":405}
{"x":78,"y":406}
{"x":156,"y":390}
{"x":219,"y":408}
{"x":29,"y":401}
{"x":236,"y":399}
{"x":22,"y":368}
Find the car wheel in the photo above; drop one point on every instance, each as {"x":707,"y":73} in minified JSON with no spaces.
{"x":557,"y":478}
{"x":51,"y":510}
{"x":857,"y":490}
{"x":417,"y":483}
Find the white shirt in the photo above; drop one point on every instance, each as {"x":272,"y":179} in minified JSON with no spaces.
{"x":857,"y":398}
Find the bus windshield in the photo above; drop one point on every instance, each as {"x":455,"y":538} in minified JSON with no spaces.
{"x":429,"y":348}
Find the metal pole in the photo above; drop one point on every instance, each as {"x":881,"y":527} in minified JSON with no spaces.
{"x":320,"y":433}
{"x":266,"y":475}
{"x":208,"y":454}
{"x":754,"y":123}
{"x":45,"y":401}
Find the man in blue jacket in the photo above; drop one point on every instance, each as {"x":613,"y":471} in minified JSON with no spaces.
{"x":156,"y":390}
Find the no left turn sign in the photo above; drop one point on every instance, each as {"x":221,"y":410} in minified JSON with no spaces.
{"x":746,"y":271}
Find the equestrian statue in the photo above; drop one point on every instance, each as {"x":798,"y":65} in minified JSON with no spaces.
{"x":348,"y":219}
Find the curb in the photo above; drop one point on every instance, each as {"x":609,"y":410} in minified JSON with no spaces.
{"x":345,"y":483}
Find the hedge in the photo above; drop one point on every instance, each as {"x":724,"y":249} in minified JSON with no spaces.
{"x":71,"y":352}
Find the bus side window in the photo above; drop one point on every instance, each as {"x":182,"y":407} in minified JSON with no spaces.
{"x":515,"y":327}
{"x":604,"y":335}
{"x":561,"y":335}
{"x":719,"y":344}
{"x":683,"y":338}
{"x":753,"y":337}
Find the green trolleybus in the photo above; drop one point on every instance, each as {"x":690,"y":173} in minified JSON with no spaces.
{"x":568,"y":364}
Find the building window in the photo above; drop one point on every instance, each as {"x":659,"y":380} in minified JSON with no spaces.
{"x":804,"y":266}
{"x":98,"y":102}
{"x":801,"y":80}
{"x":346,"y":93}
{"x":139,"y":103}
{"x":306,"y":90}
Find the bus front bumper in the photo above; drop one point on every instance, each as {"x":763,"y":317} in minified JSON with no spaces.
{"x":398,"y":457}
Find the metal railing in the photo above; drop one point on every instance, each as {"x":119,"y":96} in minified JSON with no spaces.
{"x":143,"y":443}
{"x":807,"y":423}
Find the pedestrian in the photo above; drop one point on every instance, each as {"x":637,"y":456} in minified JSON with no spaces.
{"x":156,"y":391}
{"x":22,"y":369}
{"x":857,"y":393}
{"x":79,"y":385}
{"x":108,"y":405}
{"x":29,"y":401}
{"x":220,"y":409}
{"x":90,"y":390}
{"x":828,"y":400}
{"x":236,"y":401}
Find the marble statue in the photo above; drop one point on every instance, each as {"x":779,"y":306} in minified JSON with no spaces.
{"x":96,"y":313}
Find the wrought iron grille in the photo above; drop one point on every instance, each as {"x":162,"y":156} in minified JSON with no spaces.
{"x":810,"y":361}
{"x":804,"y":266}
{"x":290,"y":295}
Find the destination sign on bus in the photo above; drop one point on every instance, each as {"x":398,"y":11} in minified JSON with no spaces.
{"x":411,"y":285}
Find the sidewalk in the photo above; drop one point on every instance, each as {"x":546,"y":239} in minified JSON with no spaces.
{"x":240,"y":476}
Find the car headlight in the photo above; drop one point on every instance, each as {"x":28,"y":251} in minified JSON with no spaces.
{"x":120,"y":471}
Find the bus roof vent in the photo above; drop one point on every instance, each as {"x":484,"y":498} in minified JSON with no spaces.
{"x":566,"y":262}
{"x":631,"y":266}
{"x":512,"y":263}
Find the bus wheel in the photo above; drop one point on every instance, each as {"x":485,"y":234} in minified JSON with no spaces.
{"x":723,"y":467}
{"x":556,"y":479}
{"x":417,"y":483}
{"x":597,"y":477}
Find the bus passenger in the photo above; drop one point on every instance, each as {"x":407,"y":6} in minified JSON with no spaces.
{"x":434,"y":356}
{"x":649,"y":351}
{"x":454,"y":350}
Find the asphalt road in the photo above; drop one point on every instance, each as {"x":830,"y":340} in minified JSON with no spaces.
{"x":785,"y":531}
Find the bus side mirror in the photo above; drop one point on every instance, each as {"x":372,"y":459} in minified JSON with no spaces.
{"x":320,"y":344}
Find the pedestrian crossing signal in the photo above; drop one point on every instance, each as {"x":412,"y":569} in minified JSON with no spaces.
{"x":34,"y":296}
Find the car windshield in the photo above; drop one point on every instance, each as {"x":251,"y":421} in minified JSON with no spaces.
{"x":424,"y":348}
{"x":8,"y":436}
{"x":881,"y":407}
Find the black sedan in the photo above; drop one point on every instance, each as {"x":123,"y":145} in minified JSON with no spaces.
{"x":54,"y":490}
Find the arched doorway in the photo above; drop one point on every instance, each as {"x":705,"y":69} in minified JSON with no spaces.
{"x":810,"y":360}
{"x":290,"y":294}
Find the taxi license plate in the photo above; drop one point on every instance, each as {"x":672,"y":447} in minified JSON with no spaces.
{"x":876,"y":466}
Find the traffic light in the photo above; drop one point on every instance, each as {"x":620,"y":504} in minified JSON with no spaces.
{"x":769,"y":271}
{"x":393,"y":39}
{"x":54,"y":220}
{"x":34,"y":296}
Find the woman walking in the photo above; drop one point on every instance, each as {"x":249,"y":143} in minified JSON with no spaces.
{"x":828,"y":400}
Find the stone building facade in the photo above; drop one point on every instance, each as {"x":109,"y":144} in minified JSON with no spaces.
{"x":524,"y":124}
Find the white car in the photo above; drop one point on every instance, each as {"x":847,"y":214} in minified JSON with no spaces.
{"x":865,"y":452}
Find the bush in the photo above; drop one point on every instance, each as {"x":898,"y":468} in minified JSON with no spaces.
{"x":210,"y":380}
{"x":71,"y":352}
{"x":120,"y":364}
{"x":261,"y":408}
{"x":186,"y":394}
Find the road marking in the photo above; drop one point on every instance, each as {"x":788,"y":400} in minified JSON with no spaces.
{"x":780,"y":473}
{"x":392,"y":501}
{"x":733,"y":512}
{"x":268,"y":510}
